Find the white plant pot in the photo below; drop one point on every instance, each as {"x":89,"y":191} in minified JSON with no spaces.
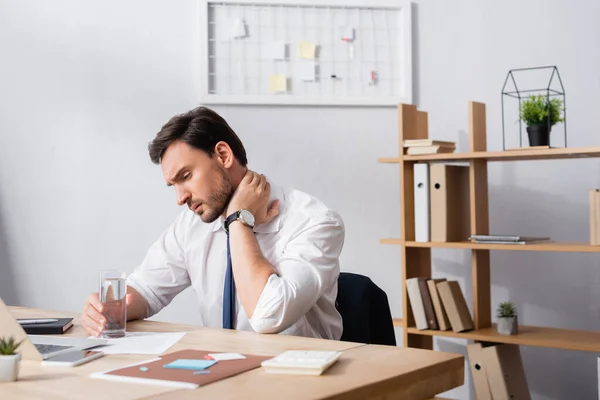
{"x":507,"y":326}
{"x":9,"y":367}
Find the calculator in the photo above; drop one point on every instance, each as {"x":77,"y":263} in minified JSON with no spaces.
{"x":301,"y":362}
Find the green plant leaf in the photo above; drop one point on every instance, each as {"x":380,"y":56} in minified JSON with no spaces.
{"x":538,"y":110}
{"x":8,"y":346}
{"x":506,"y":309}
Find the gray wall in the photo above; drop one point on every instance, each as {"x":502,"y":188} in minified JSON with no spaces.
{"x":84,"y":86}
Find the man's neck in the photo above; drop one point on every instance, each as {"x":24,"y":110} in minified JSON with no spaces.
{"x":237,"y":174}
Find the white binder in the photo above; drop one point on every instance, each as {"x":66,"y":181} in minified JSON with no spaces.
{"x":421,"y":182}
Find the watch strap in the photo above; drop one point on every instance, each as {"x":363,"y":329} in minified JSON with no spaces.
{"x":233,"y":217}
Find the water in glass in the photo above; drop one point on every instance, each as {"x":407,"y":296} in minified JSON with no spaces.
{"x":112,"y":295}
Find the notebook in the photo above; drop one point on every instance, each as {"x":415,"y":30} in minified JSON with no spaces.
{"x":52,"y":328}
{"x":154,"y":372}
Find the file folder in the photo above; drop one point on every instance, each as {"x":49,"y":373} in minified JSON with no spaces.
{"x":421,"y":183}
{"x":505,"y":372}
{"x":478,"y":372}
{"x":450,"y":203}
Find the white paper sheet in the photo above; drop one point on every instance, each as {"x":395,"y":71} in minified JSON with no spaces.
{"x":142,"y":343}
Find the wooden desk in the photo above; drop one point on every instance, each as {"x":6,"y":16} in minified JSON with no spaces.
{"x":363,"y":371}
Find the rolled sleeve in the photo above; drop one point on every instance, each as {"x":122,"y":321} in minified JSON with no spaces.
{"x":162,"y":274}
{"x":308,"y":266}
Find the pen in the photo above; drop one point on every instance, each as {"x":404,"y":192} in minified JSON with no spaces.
{"x":36,"y":321}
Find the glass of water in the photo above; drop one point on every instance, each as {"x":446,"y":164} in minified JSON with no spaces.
{"x":112,"y":296}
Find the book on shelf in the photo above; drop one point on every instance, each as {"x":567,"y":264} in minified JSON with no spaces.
{"x":456,"y":306}
{"x":438,"y":304}
{"x":507,"y":239}
{"x":416,"y":299}
{"x":440,"y":311}
{"x":427,"y":142}
{"x":428,"y":146}
{"x":413,"y":151}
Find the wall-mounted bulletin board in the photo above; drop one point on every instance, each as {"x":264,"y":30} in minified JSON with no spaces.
{"x":329,"y":52}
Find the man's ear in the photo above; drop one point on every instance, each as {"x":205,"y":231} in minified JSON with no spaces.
{"x":224,"y":154}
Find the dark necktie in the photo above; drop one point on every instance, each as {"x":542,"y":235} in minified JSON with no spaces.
{"x":228,"y":293}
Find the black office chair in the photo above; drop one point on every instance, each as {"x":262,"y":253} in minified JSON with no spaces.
{"x":365,"y":311}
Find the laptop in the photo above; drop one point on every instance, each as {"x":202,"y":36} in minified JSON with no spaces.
{"x":39,"y":347}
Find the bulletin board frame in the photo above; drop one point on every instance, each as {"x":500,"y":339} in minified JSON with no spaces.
{"x":395,"y":88}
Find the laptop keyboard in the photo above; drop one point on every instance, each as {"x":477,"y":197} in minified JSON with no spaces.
{"x":50,"y":348}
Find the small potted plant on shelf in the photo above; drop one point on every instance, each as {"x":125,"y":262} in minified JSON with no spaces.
{"x":9,"y":359}
{"x":539,"y":114}
{"x":507,"y":319}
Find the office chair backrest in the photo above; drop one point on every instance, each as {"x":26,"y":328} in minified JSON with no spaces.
{"x":365,"y":311}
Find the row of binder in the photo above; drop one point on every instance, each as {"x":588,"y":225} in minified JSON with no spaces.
{"x":442,"y":202}
{"x":438,"y":304}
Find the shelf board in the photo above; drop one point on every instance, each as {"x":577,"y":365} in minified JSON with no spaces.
{"x":398,"y":322}
{"x":508,"y":155}
{"x":544,"y":246}
{"x":566,"y":339}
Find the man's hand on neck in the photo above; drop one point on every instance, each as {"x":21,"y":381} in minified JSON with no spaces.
{"x":253,"y":194}
{"x":251,"y":270}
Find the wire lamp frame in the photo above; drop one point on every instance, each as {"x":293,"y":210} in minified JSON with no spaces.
{"x":521,"y":94}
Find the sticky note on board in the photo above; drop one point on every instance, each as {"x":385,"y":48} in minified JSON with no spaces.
{"x":184,"y":363}
{"x":307,"y":71}
{"x":307,"y":49}
{"x":346,"y":33}
{"x":276,"y":50}
{"x":238,"y":28}
{"x":278,"y":83}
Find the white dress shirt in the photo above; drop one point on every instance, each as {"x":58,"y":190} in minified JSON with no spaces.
{"x":303,"y":243}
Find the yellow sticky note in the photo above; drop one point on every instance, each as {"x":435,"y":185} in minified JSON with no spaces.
{"x":278,"y":83}
{"x":307,"y":49}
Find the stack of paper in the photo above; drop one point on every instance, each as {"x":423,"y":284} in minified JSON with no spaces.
{"x":141,"y":343}
{"x":507,"y":239}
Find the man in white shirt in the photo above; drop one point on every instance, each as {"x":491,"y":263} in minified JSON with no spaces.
{"x":259,"y":257}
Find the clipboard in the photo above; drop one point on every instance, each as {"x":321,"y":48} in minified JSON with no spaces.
{"x":153,"y":372}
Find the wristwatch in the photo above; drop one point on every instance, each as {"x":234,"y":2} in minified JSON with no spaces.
{"x":244,"y":216}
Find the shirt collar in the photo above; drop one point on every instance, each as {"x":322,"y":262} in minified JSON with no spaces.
{"x":273,"y":225}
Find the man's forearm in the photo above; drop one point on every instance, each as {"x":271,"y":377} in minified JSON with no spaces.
{"x":251,"y":270}
{"x":138,"y":308}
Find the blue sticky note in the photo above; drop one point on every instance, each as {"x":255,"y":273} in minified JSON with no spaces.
{"x":183,"y":363}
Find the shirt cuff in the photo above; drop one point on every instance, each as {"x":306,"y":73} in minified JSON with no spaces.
{"x":269,"y":310}
{"x":154,"y":304}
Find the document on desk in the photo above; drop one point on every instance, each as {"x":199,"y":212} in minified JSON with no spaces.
{"x":141,"y":343}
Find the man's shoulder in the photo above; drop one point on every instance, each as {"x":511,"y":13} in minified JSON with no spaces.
{"x":303,"y":208}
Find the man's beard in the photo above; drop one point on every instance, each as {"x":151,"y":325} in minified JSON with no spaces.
{"x":219,"y":200}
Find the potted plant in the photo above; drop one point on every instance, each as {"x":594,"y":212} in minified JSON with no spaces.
{"x":539,"y":114}
{"x":507,"y":319}
{"x":9,"y":359}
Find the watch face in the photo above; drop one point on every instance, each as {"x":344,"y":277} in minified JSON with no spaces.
{"x":247,"y":217}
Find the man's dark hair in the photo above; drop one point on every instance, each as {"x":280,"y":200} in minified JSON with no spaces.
{"x":201,"y":128}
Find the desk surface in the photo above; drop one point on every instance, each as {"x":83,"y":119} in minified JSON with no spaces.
{"x":363,"y":371}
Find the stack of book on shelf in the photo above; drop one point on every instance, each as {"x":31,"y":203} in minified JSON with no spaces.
{"x":438,"y":304}
{"x":428,"y":146}
{"x":507,"y":239}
